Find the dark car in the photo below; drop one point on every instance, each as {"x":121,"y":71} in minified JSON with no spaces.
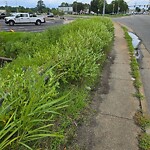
{"x":50,"y":15}
{"x":2,"y":16}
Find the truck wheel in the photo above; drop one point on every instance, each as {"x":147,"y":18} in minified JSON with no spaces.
{"x":38,"y":22}
{"x":11,"y":23}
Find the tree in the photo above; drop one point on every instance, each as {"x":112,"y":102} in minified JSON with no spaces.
{"x":64,"y":4}
{"x":77,"y":6}
{"x":137,"y":9}
{"x":40,"y":6}
{"x":57,"y":12}
{"x":109,"y":9}
{"x":97,"y":6}
{"x":86,"y":7}
{"x":119,"y":6}
{"x":122,"y":5}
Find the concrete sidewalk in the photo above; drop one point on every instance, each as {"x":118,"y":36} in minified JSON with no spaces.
{"x":115,"y":128}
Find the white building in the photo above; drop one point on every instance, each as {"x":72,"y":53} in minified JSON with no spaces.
{"x":2,"y":11}
{"x":66,"y":9}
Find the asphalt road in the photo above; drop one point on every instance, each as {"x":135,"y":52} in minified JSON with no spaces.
{"x":30,"y":27}
{"x":140,"y":24}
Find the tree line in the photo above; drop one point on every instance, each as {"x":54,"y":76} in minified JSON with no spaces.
{"x":116,"y":6}
{"x":96,"y":6}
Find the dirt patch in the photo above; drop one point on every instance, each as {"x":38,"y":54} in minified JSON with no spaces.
{"x":84,"y":136}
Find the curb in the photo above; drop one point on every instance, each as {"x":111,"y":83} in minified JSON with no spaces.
{"x":143,"y":102}
{"x":122,"y":25}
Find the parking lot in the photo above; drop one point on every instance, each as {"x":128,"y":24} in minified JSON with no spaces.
{"x":30,"y":27}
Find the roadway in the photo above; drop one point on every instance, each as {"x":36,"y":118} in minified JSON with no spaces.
{"x":140,"y":24}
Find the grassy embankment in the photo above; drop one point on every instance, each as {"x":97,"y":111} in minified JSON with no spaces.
{"x":45,"y":89}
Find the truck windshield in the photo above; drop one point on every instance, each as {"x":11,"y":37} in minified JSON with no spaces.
{"x":12,"y":15}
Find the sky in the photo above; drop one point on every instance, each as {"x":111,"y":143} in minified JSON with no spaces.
{"x":56,"y":3}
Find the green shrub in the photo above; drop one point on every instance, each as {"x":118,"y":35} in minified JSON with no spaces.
{"x":8,"y":40}
{"x":45,"y":83}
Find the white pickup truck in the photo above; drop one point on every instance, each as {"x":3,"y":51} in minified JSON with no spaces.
{"x":24,"y":18}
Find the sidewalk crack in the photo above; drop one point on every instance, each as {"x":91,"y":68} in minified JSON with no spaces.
{"x":114,"y":116}
{"x":121,"y":79}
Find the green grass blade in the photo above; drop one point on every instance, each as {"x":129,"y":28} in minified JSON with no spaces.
{"x":25,"y":145}
{"x":38,"y":129}
{"x":39,"y":136}
{"x":51,"y":103}
{"x":7,"y":140}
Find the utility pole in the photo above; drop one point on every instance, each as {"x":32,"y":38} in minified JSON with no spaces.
{"x":104,"y":5}
{"x":135,"y":7}
{"x":118,"y":8}
{"x":113,"y":8}
{"x":76,"y":7}
{"x":6,"y":6}
{"x":16,"y":6}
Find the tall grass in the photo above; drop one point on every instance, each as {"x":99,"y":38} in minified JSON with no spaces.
{"x":43,"y":90}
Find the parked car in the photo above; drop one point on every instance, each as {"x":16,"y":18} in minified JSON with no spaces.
{"x":24,"y":18}
{"x":2,"y":16}
{"x":50,"y":15}
{"x":92,"y":13}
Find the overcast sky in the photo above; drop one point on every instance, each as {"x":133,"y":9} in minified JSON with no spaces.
{"x":56,"y":3}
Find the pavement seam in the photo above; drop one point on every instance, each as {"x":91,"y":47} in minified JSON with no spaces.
{"x":120,"y":79}
{"x":121,"y":63}
{"x":145,"y":68}
{"x":118,"y":117}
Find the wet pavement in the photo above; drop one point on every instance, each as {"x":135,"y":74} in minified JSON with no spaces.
{"x":136,"y":44}
{"x":135,"y":40}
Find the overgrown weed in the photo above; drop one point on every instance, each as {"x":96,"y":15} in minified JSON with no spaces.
{"x":44,"y":87}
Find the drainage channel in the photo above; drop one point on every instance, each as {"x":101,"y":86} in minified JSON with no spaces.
{"x":136,"y":44}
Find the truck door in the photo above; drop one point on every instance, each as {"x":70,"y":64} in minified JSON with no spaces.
{"x":17,"y":18}
{"x":24,"y":18}
{"x":33,"y":18}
